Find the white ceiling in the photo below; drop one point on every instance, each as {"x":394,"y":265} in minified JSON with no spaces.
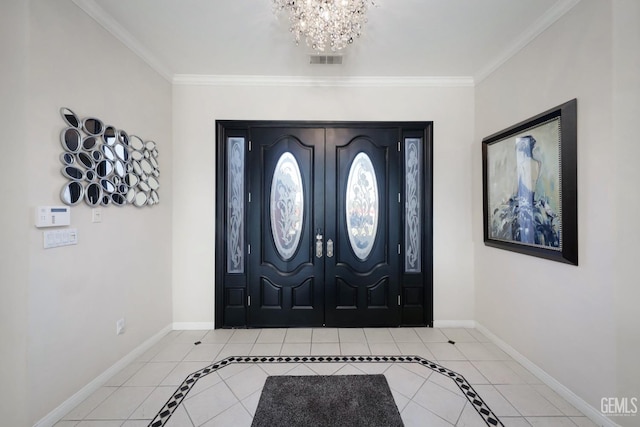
{"x":403,"y":38}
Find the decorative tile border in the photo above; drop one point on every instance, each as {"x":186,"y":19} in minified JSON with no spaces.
{"x":181,"y":393}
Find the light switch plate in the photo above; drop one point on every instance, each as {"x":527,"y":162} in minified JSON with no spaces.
{"x":96,"y":215}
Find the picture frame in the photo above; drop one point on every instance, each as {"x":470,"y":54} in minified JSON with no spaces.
{"x":529,"y":184}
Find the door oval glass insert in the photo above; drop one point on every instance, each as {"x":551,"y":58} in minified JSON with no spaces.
{"x":361,"y":205}
{"x":287,"y":206}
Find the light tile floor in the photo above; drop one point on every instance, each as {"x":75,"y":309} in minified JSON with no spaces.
{"x":229,"y":396}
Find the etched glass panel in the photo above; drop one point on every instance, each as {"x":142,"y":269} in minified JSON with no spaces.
{"x":413,"y":208}
{"x":362,"y":206}
{"x":235,"y":205}
{"x":287,"y":206}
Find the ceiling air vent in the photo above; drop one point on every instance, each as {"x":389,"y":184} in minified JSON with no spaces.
{"x":325,"y":59}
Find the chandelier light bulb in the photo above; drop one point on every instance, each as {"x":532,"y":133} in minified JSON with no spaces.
{"x":325,"y":24}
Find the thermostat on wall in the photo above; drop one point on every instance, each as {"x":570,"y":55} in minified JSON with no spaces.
{"x":53,"y":216}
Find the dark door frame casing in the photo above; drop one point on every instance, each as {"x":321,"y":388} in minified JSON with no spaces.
{"x":231,"y":297}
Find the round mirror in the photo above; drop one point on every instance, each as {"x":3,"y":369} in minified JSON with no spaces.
{"x":115,"y":180}
{"x":144,"y":186}
{"x":121,"y":152}
{"x":108,"y":152}
{"x":146,"y":166}
{"x":137,"y":168}
{"x":131,"y":179}
{"x":131,"y":195}
{"x":137,"y":155}
{"x":123,"y":137}
{"x":154,"y":153}
{"x":70,"y":139}
{"x":90,"y":176}
{"x":93,"y":194}
{"x":119,"y":168}
{"x":140,"y":199}
{"x":89,"y":143}
{"x":123,"y":188}
{"x":67,"y":159}
{"x":154,"y":162}
{"x":109,"y":135}
{"x":153,"y":183}
{"x":105,"y":200}
{"x":118,"y":199}
{"x":104,"y":168}
{"x":129,"y":167}
{"x":155,"y":197}
{"x":147,"y":154}
{"x":97,"y":155}
{"x":92,"y":126}
{"x":85,"y":159}
{"x":156,"y":173}
{"x":73,"y":172}
{"x":107,"y":185}
{"x":70,"y":117}
{"x":136,"y":143}
{"x":72,"y":193}
{"x":150,"y":145}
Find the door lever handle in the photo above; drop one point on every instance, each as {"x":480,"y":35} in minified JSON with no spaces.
{"x":329,"y":248}
{"x":318,"y":245}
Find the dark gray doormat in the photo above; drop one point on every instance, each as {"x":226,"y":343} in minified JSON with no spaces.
{"x":337,"y":400}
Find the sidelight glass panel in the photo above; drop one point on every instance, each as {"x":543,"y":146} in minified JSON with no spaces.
{"x":361,"y":202}
{"x":235,"y":205}
{"x":413,"y":208}
{"x":287,"y":206}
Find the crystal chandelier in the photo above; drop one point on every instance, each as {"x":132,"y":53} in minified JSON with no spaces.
{"x":325,"y":24}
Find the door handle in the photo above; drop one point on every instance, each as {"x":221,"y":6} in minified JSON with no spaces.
{"x":318,"y":245}
{"x":329,"y":248}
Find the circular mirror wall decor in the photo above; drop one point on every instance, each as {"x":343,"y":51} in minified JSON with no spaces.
{"x":89,"y":143}
{"x":92,"y":126}
{"x":93,"y":194}
{"x":108,"y":152}
{"x":123,"y":137}
{"x":70,"y":117}
{"x":104,"y":168}
{"x":118,"y":199}
{"x":136,"y":143}
{"x":72,"y":193}
{"x":105,"y":165}
{"x":70,"y":139}
{"x":109,"y":135}
{"x":67,"y":159}
{"x":107,"y":186}
{"x":73,"y":173}
{"x":137,"y":155}
{"x":140,"y":199}
{"x":85,"y":160}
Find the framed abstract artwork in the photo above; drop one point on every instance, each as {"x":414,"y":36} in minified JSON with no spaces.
{"x":529,"y":182}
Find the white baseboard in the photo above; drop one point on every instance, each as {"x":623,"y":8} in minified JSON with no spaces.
{"x":193,"y":326}
{"x":592,"y":413}
{"x":56,"y":415}
{"x":454,"y":324}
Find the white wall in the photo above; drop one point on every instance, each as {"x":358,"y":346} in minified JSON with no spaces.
{"x":560,"y":317}
{"x":195,"y":109}
{"x":14,"y":215}
{"x":121,"y":267}
{"x":626,"y":110}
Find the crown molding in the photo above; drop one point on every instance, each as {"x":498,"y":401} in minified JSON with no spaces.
{"x":538,"y":27}
{"x":356,"y":81}
{"x":91,"y":8}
